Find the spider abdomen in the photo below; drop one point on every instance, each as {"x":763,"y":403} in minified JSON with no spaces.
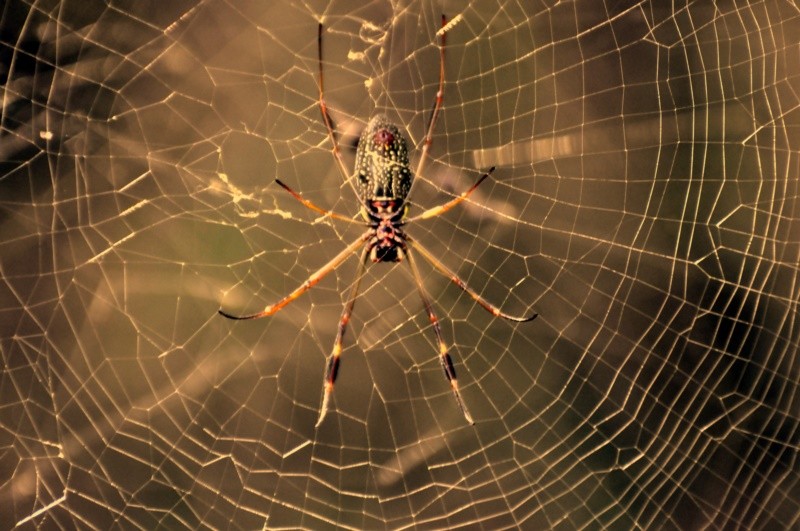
{"x":382,"y":171}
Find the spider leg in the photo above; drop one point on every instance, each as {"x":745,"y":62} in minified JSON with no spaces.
{"x":426,"y":146}
{"x":332,"y":368}
{"x":326,"y":117}
{"x":441,"y":209}
{"x":494,"y":310}
{"x":447,"y":361}
{"x":315,"y":208}
{"x":310,"y":281}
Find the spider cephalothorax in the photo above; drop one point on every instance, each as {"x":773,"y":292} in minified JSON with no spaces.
{"x":389,"y":241}
{"x":383,"y":180}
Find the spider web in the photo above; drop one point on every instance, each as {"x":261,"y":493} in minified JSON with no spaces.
{"x":645,"y":204}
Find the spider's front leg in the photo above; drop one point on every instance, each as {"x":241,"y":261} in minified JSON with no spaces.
{"x":455,"y":279}
{"x":332,"y":368}
{"x":444,"y":356}
{"x":310,"y":282}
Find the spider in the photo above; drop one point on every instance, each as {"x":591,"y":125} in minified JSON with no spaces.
{"x":383,"y":181}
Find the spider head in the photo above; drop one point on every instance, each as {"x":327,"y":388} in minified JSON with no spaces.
{"x":388,"y":242}
{"x":382,"y":170}
{"x":387,"y":253}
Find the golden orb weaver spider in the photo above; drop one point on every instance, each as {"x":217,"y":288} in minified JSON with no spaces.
{"x":382,"y":185}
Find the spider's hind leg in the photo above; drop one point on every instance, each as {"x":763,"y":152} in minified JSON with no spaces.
{"x":326,"y":116}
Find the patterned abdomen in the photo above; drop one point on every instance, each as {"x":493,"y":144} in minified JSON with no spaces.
{"x":382,"y":171}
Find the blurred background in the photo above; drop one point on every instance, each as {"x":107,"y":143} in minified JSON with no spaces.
{"x":645,"y":204}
